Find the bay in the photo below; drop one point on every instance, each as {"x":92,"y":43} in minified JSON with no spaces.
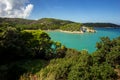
{"x":86,"y":41}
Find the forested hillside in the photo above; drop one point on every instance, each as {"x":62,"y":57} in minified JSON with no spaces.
{"x":44,"y":23}
{"x":15,"y":21}
{"x":48,"y":24}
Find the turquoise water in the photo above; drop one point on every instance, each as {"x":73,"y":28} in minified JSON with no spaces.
{"x":85,"y":41}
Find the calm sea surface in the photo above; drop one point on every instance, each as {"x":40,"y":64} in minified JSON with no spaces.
{"x":84,"y":41}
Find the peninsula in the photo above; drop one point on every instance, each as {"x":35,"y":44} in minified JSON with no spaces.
{"x":82,"y":30}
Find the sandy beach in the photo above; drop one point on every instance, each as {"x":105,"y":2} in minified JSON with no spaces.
{"x":78,"y":32}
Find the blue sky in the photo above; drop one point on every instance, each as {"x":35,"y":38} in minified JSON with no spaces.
{"x":77,"y":10}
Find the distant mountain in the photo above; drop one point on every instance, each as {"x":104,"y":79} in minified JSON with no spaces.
{"x":54,"y":21}
{"x":44,"y":23}
{"x":26,"y":21}
{"x":50,"y":22}
{"x":101,"y":24}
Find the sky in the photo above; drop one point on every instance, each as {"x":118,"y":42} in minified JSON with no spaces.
{"x":82,"y":11}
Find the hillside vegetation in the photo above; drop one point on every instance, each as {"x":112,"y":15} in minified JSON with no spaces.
{"x":44,"y":23}
{"x":72,"y":27}
{"x":80,"y":65}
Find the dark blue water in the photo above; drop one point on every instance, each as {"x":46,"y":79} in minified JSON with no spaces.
{"x":85,"y":41}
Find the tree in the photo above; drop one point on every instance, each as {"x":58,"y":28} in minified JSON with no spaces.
{"x":59,"y":50}
{"x":40,"y":43}
{"x":13,"y":46}
{"x":108,"y":51}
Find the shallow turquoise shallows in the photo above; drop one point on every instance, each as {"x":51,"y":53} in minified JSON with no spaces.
{"x":85,"y":41}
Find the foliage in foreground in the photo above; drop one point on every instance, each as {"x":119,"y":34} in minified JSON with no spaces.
{"x":76,"y":65}
{"x":108,"y":51}
{"x":17,"y":45}
{"x":13,"y":70}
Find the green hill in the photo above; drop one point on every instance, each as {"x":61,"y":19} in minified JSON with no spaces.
{"x":44,"y":23}
{"x":50,"y":23}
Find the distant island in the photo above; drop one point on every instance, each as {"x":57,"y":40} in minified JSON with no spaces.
{"x":102,"y":25}
{"x":52,"y":24}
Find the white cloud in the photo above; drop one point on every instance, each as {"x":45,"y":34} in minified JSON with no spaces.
{"x":15,"y":8}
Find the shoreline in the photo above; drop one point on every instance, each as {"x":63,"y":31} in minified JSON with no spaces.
{"x":73,"y":32}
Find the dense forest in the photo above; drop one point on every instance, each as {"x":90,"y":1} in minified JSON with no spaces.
{"x":30,"y":54}
{"x":44,"y":23}
{"x":71,"y":27}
